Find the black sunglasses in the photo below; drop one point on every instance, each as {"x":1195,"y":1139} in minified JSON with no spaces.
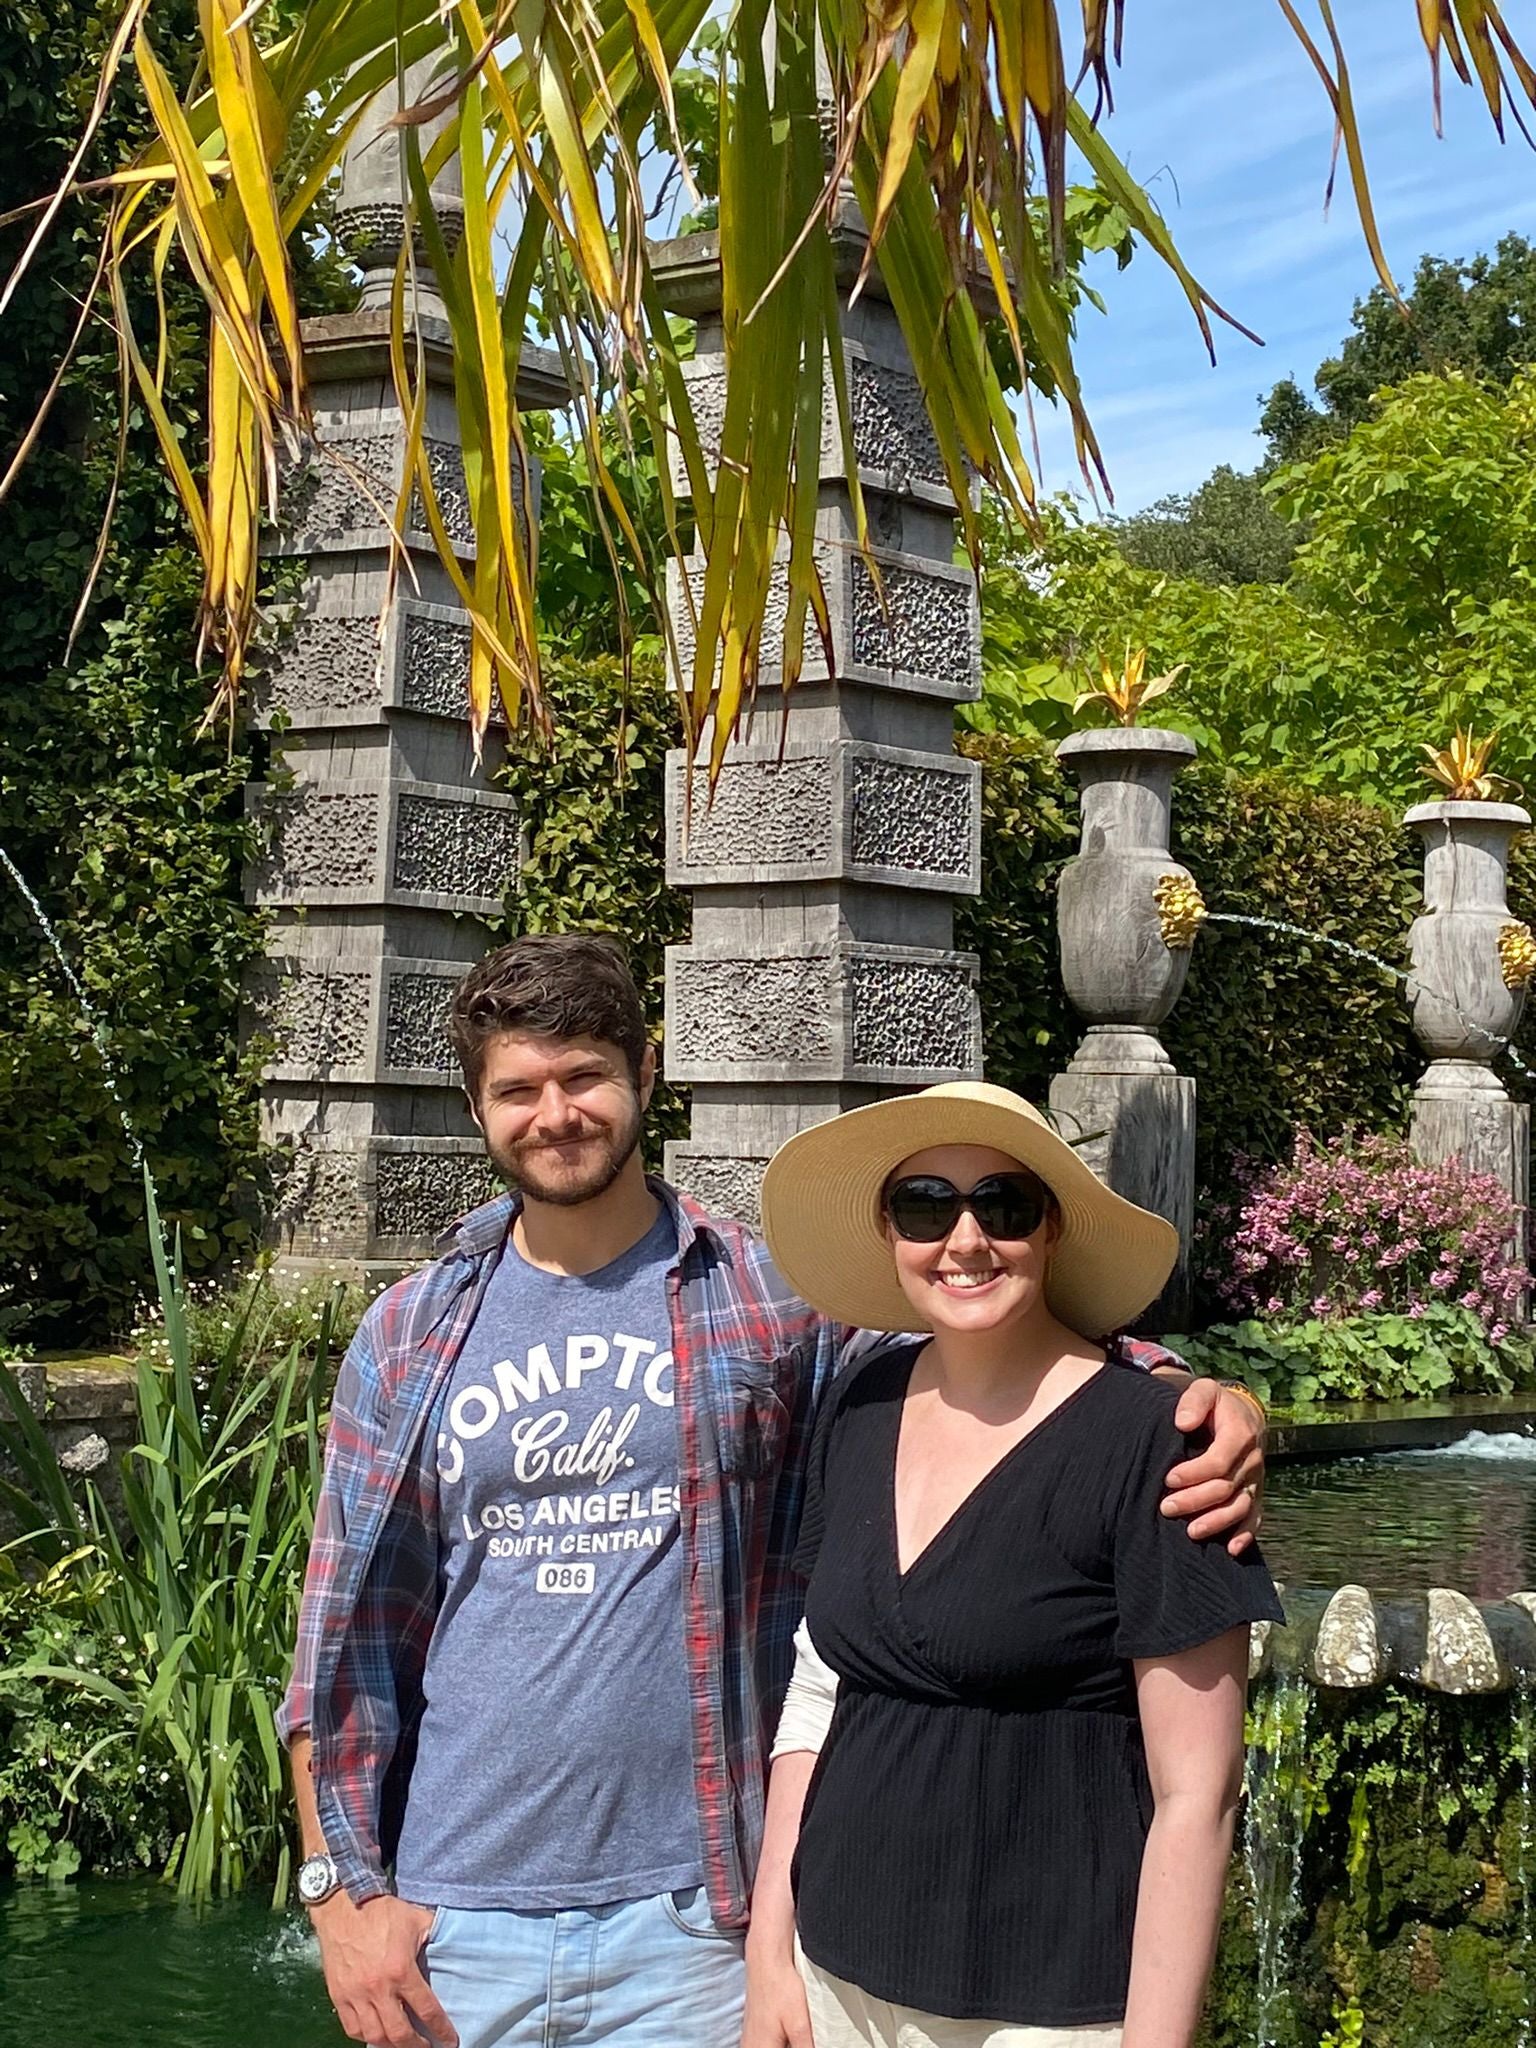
{"x":925,"y":1208}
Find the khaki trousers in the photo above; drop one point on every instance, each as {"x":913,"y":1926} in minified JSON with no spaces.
{"x":842,"y":2016}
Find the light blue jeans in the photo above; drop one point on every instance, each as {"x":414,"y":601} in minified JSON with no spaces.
{"x":650,"y":1973}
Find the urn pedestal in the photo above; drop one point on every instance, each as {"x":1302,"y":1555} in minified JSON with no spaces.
{"x":1465,"y":1003}
{"x":1121,"y":1101}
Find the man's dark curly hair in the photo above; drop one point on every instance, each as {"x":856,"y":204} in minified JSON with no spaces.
{"x":553,"y":985}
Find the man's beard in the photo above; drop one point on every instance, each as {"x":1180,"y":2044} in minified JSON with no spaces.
{"x":518,"y":1166}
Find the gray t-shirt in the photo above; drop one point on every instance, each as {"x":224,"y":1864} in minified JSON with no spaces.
{"x":555,"y":1766}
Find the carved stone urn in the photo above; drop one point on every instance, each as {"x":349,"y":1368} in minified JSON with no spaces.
{"x":1121,"y":975}
{"x":1465,"y":1005}
{"x":1466,"y":993}
{"x":1131,"y":1115}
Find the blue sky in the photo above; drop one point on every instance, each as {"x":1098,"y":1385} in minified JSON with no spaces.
{"x":1219,"y":112}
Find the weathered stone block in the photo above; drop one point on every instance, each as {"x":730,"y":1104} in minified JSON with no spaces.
{"x":1137,"y":1131}
{"x":378,"y":1199}
{"x":726,"y":1184}
{"x":894,"y":445}
{"x":409,"y":843}
{"x":848,"y":811}
{"x":319,"y":1018}
{"x":339,"y":497}
{"x":896,"y":1014}
{"x":918,"y":631}
{"x":333,"y":669}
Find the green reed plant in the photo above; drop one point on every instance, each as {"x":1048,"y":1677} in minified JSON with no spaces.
{"x":195,"y":1580}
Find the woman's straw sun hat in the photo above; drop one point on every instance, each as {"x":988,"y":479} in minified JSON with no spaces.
{"x":823,"y":1222}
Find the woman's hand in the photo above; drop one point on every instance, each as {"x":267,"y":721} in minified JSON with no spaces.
{"x":777,"y":2015}
{"x":1223,"y":1489}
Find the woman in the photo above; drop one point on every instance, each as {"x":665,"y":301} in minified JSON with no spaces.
{"x":1018,"y":1827}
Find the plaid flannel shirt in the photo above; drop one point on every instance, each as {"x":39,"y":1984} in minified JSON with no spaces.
{"x":751,"y":1361}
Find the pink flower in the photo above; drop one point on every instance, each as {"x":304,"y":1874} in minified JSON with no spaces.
{"x":1371,"y":1298}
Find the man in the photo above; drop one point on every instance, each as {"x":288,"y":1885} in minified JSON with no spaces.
{"x":549,"y":1607}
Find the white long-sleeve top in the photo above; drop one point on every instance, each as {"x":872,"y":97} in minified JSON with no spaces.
{"x":808,"y":1704}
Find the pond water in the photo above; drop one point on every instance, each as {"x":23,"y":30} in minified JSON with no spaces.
{"x":118,"y":1964}
{"x":1464,"y":1516}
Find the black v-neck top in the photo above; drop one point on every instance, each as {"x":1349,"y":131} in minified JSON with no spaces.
{"x":973,"y":1834}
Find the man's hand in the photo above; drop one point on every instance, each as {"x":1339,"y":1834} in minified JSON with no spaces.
{"x":1223,"y":1489}
{"x":372,"y":1958}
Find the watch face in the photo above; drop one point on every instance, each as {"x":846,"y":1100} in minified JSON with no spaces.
{"x":317,"y":1878}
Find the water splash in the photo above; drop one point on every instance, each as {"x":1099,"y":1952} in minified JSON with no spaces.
{"x":1274,"y":1835}
{"x":93,"y":1020}
{"x":1494,"y":1447}
{"x":1504,"y":1047}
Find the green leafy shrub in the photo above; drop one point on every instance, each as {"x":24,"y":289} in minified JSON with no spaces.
{"x":1291,"y":1362}
{"x":126,"y":819}
{"x":77,"y":1793}
{"x":594,"y":811}
{"x":191,"y":1589}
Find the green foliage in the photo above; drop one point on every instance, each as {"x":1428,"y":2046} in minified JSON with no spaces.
{"x":1292,"y":1363}
{"x":1408,"y":607}
{"x":126,"y":820}
{"x":1409,"y":1922}
{"x":1227,"y":531}
{"x":594,"y":811}
{"x":190,"y":1595}
{"x":1477,"y":317}
{"x":75,"y":1794}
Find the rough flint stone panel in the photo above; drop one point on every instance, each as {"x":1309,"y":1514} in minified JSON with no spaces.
{"x":909,"y":817}
{"x":910,"y":1014}
{"x":318,"y":1021}
{"x":326,"y":664}
{"x":454,"y":849}
{"x":351,"y":483}
{"x":745,"y":1010}
{"x":892,"y":435}
{"x":418,"y":1194}
{"x":925,"y":624}
{"x":322,"y":839}
{"x":763,"y":812}
{"x":415,"y":1028}
{"x":725,"y":1184}
{"x":891,"y":429}
{"x":775,"y":606}
{"x":435,"y":666}
{"x":320,"y":1195}
{"x":376,"y":228}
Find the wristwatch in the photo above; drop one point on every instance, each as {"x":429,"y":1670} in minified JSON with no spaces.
{"x":317,"y":1880}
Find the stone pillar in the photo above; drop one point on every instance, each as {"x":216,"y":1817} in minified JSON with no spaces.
{"x":1466,"y":998}
{"x":1121,"y":1101}
{"x":386,"y":847}
{"x":822,"y":972}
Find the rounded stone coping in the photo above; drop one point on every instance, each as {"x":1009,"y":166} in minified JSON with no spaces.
{"x":1469,"y":811}
{"x":1348,"y":1638}
{"x":1128,"y":739}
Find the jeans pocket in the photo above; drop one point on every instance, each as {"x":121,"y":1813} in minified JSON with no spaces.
{"x":689,"y":1912}
{"x":439,"y":1916}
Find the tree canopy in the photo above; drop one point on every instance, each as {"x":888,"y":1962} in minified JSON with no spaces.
{"x":1477,"y":316}
{"x":1409,"y":606}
